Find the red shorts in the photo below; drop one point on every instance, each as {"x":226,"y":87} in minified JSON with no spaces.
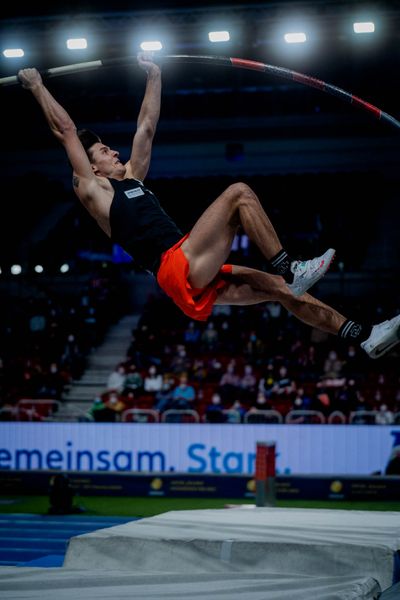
{"x":172,"y":277}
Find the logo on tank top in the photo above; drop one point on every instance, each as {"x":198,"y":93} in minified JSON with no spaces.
{"x":134,"y":192}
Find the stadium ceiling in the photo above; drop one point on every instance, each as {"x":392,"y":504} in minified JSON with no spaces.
{"x":256,"y":28}
{"x":201,"y":102}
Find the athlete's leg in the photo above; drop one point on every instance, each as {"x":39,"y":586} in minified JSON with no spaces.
{"x":209,"y":243}
{"x":210,"y":240}
{"x":250,"y":286}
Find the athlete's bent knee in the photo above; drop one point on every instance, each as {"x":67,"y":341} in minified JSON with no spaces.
{"x":240,"y":194}
{"x":241,"y":189}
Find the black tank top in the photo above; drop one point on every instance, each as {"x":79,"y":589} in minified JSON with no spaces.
{"x":139,"y":224}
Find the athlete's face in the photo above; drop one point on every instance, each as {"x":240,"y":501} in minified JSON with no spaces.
{"x":105,"y":162}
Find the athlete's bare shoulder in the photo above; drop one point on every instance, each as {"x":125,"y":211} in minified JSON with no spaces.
{"x":96,"y":195}
{"x":89,"y":188}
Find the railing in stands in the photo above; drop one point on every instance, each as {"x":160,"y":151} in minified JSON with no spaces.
{"x":373,"y":417}
{"x":337,"y":418}
{"x":231,"y":415}
{"x":9,"y":413}
{"x":140,"y":415}
{"x":180,"y":416}
{"x":305,"y":416}
{"x":46,"y":410}
{"x":262,"y":416}
{"x":39,"y":409}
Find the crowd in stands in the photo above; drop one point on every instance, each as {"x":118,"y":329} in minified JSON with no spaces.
{"x":241,"y":362}
{"x":245,"y":360}
{"x":46,"y":339}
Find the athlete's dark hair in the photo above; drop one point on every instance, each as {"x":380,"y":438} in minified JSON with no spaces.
{"x":88,"y":138}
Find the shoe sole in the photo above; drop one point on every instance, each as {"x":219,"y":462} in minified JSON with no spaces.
{"x":384,"y":348}
{"x":319,"y":278}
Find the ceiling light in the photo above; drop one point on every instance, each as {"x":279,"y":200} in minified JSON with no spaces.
{"x":16,"y":269}
{"x":219,"y":36}
{"x":367,"y":27}
{"x":150,"y":46}
{"x":295,"y":38}
{"x":76,"y":44}
{"x":13,"y":52}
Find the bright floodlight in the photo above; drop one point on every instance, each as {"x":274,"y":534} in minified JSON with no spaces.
{"x":64,"y":268}
{"x":13,"y":52}
{"x":367,"y":27}
{"x":38,"y":269}
{"x":77,"y":44}
{"x":295,"y":38}
{"x":150,"y":46}
{"x":219,"y":36}
{"x":16,"y":269}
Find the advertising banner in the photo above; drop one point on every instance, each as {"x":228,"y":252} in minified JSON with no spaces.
{"x":197,"y":448}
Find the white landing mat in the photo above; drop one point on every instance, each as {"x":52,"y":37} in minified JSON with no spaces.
{"x":301,"y":542}
{"x":27,"y":583}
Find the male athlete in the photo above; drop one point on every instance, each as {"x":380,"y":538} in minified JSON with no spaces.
{"x":191,"y":269}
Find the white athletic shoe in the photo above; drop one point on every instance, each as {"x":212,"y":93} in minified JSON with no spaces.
{"x":384,"y":336}
{"x":308,"y":272}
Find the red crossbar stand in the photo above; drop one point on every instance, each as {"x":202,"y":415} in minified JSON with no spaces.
{"x":265,"y":474}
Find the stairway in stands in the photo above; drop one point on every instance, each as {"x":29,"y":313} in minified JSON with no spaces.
{"x":81,"y":394}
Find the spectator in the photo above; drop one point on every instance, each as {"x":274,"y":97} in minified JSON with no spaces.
{"x":384,"y":416}
{"x":214,"y":372}
{"x":285,"y":387}
{"x":237,"y":407}
{"x":248,"y":384}
{"x":254,"y":347}
{"x":209,"y":337}
{"x":274,"y":310}
{"x":116,"y":380}
{"x":301,"y":400}
{"x":180,"y":362}
{"x":99,"y":412}
{"x":348,"y":397}
{"x":199,"y":371}
{"x":215,"y":411}
{"x":133,"y":381}
{"x":153,"y":381}
{"x":267,"y":382}
{"x":261,"y":402}
{"x":72,"y":357}
{"x":361,"y":416}
{"x":229,"y":384}
{"x":163,"y":398}
{"x":308,"y":363}
{"x":53,"y":383}
{"x":333,"y":365}
{"x":183,"y":396}
{"x":115,"y":404}
{"x":191,"y":335}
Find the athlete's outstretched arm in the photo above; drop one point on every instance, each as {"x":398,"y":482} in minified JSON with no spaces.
{"x":139,"y":162}
{"x":59,"y":122}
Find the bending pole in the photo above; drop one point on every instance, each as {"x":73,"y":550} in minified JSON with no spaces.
{"x":221,"y":61}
